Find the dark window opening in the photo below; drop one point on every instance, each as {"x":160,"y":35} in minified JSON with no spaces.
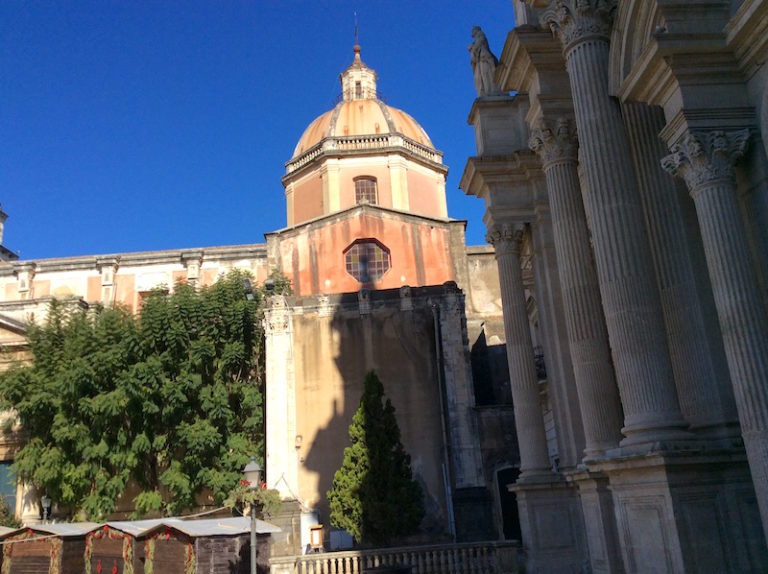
{"x":358,"y":90}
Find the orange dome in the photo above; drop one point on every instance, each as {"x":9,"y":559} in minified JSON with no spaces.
{"x":364,"y":117}
{"x":360,"y":113}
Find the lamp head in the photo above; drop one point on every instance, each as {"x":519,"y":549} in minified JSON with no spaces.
{"x":252,"y":472}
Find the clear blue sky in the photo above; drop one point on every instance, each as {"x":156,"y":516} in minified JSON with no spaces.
{"x":142,"y":125}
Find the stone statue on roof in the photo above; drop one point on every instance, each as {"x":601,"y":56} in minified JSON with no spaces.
{"x":483,"y":64}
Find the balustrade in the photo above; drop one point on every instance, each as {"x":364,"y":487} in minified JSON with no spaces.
{"x":469,"y":558}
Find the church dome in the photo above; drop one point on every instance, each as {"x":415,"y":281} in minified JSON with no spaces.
{"x":360,"y":113}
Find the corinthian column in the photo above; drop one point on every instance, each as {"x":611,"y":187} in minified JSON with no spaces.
{"x":624,"y":266}
{"x":585,"y":324}
{"x":696,"y":348}
{"x":706,"y":161}
{"x":529,"y":421}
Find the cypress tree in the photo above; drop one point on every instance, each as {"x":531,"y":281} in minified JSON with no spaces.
{"x":374,"y":496}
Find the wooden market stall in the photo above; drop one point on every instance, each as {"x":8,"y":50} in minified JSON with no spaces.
{"x":112,"y":548}
{"x":51,"y":548}
{"x":205,"y":546}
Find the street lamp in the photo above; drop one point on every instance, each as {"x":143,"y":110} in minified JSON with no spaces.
{"x":45,"y":502}
{"x":252,"y":472}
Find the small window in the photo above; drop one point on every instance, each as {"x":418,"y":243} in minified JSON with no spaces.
{"x":358,"y":90}
{"x":365,"y":190}
{"x":367,"y":260}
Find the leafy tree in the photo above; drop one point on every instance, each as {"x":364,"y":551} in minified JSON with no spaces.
{"x":374,"y":496}
{"x":170,"y":399}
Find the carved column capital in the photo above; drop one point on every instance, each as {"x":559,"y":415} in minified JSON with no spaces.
{"x":703,"y":158}
{"x":555,"y":142}
{"x":504,"y":238}
{"x":576,"y":20}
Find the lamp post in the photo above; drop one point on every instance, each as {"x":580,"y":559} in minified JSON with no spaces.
{"x":252,"y":472}
{"x":45,"y":502}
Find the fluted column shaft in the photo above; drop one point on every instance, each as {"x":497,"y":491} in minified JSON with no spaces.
{"x":696,"y":349}
{"x":624,"y":267}
{"x":529,"y":420}
{"x":706,"y":163}
{"x":563,"y":391}
{"x":585,"y":323}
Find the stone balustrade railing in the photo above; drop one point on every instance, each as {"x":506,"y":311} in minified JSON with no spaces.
{"x":467,"y":558}
{"x":364,"y":142}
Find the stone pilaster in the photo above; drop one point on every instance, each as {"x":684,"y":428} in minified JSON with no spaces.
{"x":556,"y":145}
{"x":706,"y":162}
{"x":696,"y":349}
{"x":281,"y":459}
{"x":529,"y":422}
{"x":624,"y":266}
{"x":460,"y":400}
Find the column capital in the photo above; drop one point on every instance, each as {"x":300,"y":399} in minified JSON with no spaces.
{"x":555,"y":141}
{"x":703,"y":158}
{"x":504,"y":237}
{"x":576,"y":20}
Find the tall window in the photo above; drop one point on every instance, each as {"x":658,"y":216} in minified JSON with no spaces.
{"x":367,"y":260}
{"x":365,"y":190}
{"x":358,"y":90}
{"x":8,"y":485}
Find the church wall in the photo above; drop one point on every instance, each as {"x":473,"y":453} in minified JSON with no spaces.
{"x":331,"y":357}
{"x":423,"y":193}
{"x":308,"y":198}
{"x":313,"y":256}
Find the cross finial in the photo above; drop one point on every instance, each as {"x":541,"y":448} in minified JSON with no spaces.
{"x":357,"y":40}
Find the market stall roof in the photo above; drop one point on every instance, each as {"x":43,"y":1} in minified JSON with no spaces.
{"x":134,"y":527}
{"x":63,"y":529}
{"x":213,"y":527}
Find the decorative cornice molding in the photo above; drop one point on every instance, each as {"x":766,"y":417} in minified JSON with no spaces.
{"x":555,"y":143}
{"x":703,"y":158}
{"x":576,"y":20}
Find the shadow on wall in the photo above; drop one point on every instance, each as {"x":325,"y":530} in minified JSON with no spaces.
{"x":370,"y":330}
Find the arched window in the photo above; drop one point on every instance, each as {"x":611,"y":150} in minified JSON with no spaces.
{"x":367,"y":260}
{"x":365,"y":190}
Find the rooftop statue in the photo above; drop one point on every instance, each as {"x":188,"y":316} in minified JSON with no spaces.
{"x":483,"y":64}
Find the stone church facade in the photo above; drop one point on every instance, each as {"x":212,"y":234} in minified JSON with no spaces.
{"x":632,"y":158}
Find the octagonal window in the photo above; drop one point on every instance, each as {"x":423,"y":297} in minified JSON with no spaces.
{"x":367,"y":260}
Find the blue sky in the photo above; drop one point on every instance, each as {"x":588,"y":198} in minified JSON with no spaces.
{"x":142,"y":125}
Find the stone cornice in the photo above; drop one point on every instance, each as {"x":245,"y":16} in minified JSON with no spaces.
{"x":703,"y":120}
{"x":363,"y":145}
{"x":706,"y":158}
{"x":747,"y":35}
{"x":135,"y":259}
{"x":555,"y":142}
{"x":528,"y":49}
{"x":575,"y":21}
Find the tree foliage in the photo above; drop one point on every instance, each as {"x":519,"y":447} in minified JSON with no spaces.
{"x":170,"y":399}
{"x":374,"y":496}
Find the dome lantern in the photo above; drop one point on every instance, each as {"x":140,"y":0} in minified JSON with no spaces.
{"x":358,"y":81}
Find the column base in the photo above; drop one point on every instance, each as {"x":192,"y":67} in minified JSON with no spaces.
{"x":287,"y":542}
{"x":552,"y":525}
{"x":686,"y":510}
{"x":599,"y":521}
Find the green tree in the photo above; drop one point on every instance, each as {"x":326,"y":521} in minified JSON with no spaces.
{"x":170,"y":399}
{"x":374,"y":496}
